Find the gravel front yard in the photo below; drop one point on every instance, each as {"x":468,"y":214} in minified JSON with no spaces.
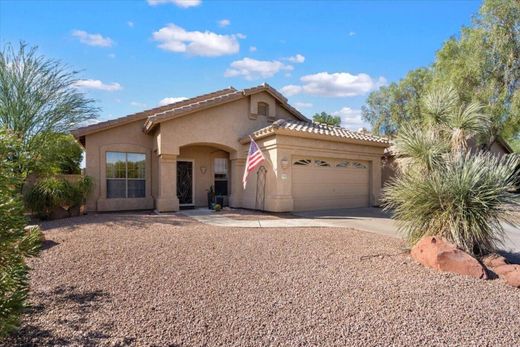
{"x":167,"y":280}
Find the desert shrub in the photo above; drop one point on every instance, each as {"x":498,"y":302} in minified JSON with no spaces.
{"x":15,"y":243}
{"x":463,"y":201}
{"x":445,"y":188}
{"x":50,"y":193}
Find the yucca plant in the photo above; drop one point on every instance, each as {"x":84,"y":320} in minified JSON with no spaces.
{"x":444,"y":188}
{"x":463,"y":201}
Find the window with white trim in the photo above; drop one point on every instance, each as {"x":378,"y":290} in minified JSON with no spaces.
{"x":125,"y":175}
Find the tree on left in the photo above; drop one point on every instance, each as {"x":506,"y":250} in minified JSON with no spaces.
{"x":38,"y":100}
{"x":38,"y":105}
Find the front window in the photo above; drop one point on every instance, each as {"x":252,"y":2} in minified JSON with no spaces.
{"x":125,"y":175}
{"x":221,"y":176}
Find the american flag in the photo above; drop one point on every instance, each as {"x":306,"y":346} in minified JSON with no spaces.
{"x":254,"y":159}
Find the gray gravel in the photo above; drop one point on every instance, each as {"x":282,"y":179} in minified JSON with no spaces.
{"x":166,"y":280}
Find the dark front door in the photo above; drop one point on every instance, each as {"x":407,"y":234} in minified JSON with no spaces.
{"x":185,"y":182}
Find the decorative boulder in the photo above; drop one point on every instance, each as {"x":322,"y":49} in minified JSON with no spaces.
{"x":508,"y":272}
{"x":494,"y":260}
{"x":437,"y":253}
{"x":512,"y":278}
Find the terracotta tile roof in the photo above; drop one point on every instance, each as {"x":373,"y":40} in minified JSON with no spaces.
{"x":147,"y":113}
{"x":191,"y":107}
{"x":217,"y":100}
{"x":156,"y":115}
{"x":290,"y":126}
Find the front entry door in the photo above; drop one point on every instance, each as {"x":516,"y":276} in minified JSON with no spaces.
{"x":185,"y":183}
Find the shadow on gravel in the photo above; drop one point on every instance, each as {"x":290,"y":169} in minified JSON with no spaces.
{"x":72,"y":326}
{"x":47,"y":244}
{"x":512,"y":258}
{"x":141,"y":220}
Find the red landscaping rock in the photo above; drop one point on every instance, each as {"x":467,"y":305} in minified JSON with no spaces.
{"x":504,"y":269}
{"x":437,"y":253}
{"x":494,"y":260}
{"x":512,"y":278}
{"x":510,"y":273}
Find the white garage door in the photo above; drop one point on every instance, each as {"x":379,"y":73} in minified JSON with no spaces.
{"x":321,"y":183}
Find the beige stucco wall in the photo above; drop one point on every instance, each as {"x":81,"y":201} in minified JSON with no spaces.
{"x":126,"y":138}
{"x":202,"y":156}
{"x":218,"y":128}
{"x":215,"y":132}
{"x":278,"y":149}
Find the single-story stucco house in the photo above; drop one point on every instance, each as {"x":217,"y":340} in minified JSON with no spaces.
{"x":169,"y":157}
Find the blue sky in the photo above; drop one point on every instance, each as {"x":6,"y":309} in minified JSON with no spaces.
{"x":324,"y":56}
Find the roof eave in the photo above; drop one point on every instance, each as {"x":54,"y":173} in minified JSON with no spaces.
{"x":278,"y":131}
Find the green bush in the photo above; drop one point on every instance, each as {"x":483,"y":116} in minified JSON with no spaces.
{"x":15,"y":243}
{"x":50,"y":193}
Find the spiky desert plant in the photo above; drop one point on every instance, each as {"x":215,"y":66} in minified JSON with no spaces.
{"x":419,"y":149}
{"x":464,"y":201}
{"x":445,"y":189}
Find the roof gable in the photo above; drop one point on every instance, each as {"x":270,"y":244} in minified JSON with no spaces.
{"x":156,"y":115}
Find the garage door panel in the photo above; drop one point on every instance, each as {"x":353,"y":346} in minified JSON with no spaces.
{"x":316,"y":187}
{"x":322,"y":190}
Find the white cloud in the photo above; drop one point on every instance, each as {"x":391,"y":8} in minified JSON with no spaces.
{"x":352,"y":33}
{"x":88,"y":122}
{"x":171,"y":100}
{"x":252,"y":49}
{"x":179,"y":3}
{"x":92,"y":39}
{"x":299,"y":104}
{"x":339,"y":84}
{"x":137,"y":104}
{"x":98,"y":85}
{"x":252,"y":69}
{"x":176,"y":39}
{"x":351,"y":118}
{"x":224,"y":22}
{"x":130,"y":24}
{"x":298,"y":58}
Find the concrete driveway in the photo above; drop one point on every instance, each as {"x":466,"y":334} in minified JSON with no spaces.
{"x":377,"y":221}
{"x":371,"y":219}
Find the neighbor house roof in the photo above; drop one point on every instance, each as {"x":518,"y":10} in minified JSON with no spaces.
{"x":316,"y":130}
{"x":157,"y":115}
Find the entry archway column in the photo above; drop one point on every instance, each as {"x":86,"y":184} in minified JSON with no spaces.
{"x":167,"y":200}
{"x":237,"y":171}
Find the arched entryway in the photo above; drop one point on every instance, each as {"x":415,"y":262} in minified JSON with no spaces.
{"x":202,"y":169}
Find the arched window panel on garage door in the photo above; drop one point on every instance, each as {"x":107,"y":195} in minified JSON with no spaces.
{"x":321,"y":163}
{"x":343,"y":164}
{"x":358,"y":165}
{"x":302,"y":162}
